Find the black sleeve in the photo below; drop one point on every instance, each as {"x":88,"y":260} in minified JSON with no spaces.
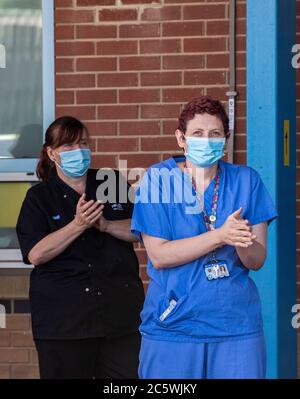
{"x":32,"y":225}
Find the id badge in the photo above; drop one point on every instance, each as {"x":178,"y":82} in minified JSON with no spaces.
{"x":215,"y":270}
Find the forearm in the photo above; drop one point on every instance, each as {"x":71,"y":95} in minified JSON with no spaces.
{"x":120,"y":229}
{"x":178,"y":252}
{"x":252,"y":257}
{"x":54,"y":244}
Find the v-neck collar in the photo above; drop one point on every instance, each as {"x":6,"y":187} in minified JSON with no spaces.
{"x":209,"y":189}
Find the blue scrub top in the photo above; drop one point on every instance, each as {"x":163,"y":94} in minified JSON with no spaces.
{"x":206,"y":310}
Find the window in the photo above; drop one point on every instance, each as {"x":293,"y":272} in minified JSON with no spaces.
{"x":26,"y":106}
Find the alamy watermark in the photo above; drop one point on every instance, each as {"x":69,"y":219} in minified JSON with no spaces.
{"x":158,"y":185}
{"x":296,"y":318}
{"x":296,"y":57}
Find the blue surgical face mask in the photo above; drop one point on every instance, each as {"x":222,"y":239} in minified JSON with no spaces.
{"x":204,"y":152}
{"x":75,"y":163}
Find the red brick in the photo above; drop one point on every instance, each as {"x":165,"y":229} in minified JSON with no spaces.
{"x":241,"y":43}
{"x":4,"y":372}
{"x":18,"y":322}
{"x":241,"y":76}
{"x":241,"y":10}
{"x":95,"y":31}
{"x":25,"y":372}
{"x":160,"y":78}
{"x":240,"y":142}
{"x":159,"y":111}
{"x":181,"y":94}
{"x":140,"y":160}
{"x":217,"y":61}
{"x":63,"y":3}
{"x":205,"y":44}
{"x":139,"y":95}
{"x":139,"y":63}
{"x":33,"y":356}
{"x":166,"y":143}
{"x":139,"y":128}
{"x":241,"y":61}
{"x":74,"y":48}
{"x":104,"y":161}
{"x":126,"y":2}
{"x":161,"y":14}
{"x":73,"y":16}
{"x":64,"y":97}
{"x":80,"y":112}
{"x":14,"y":355}
{"x":4,"y":338}
{"x":241,"y":125}
{"x":161,"y":46}
{"x":241,"y":27}
{"x":183,"y":29}
{"x":143,"y":274}
{"x":117,"y":15}
{"x":240,"y":158}
{"x":142,"y":257}
{"x":117,"y":79}
{"x":102,"y":128}
{"x":117,"y":47}
{"x":217,"y":28}
{"x":218,"y":92}
{"x":169,"y":126}
{"x":117,"y":145}
{"x":75,"y":81}
{"x":90,"y":3}
{"x":22,"y":339}
{"x":64,"y":65}
{"x":96,"y":64}
{"x":204,"y":11}
{"x":204,"y":78}
{"x":118,"y":112}
{"x":139,"y":30}
{"x":183,"y":62}
{"x":96,"y":96}
{"x":64,"y":32}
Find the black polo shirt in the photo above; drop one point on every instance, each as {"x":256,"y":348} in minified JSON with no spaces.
{"x":91,"y":289}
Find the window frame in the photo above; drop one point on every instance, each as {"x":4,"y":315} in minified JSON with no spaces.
{"x":12,"y":258}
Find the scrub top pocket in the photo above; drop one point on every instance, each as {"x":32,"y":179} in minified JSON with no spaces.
{"x":167,"y":314}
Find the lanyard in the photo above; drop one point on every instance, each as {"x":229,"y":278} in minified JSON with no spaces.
{"x":210,"y":221}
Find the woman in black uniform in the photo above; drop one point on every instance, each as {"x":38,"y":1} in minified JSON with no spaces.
{"x":85,"y":290}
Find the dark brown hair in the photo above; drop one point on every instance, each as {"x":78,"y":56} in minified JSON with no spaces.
{"x":202,"y":105}
{"x":64,"y":130}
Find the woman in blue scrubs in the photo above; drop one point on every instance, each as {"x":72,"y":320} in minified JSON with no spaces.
{"x":204,"y":223}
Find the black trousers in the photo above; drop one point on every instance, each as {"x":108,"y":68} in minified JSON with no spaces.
{"x":89,"y":358}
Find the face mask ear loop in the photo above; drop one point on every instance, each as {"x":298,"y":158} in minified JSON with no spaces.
{"x":184,"y":139}
{"x":56,"y":163}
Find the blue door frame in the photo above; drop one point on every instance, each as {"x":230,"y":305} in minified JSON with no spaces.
{"x":271,"y":150}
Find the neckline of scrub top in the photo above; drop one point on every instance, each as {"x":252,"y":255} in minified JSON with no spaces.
{"x":209,"y":188}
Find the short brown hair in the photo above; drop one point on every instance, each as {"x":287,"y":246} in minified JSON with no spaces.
{"x":202,"y":105}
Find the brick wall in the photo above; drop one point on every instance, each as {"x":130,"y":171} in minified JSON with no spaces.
{"x":125,"y":67}
{"x":18,"y":357}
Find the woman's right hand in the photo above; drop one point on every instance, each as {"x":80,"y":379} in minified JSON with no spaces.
{"x":236,"y":231}
{"x":87,"y":212}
